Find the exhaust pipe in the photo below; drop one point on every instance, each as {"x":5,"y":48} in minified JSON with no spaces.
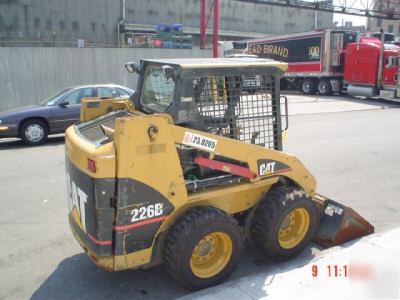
{"x":338,"y":223}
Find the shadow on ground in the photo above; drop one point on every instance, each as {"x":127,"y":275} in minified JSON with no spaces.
{"x":10,"y":144}
{"x":77,"y":277}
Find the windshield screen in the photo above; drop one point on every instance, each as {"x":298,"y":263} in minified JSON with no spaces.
{"x":157,"y":90}
{"x":53,"y":99}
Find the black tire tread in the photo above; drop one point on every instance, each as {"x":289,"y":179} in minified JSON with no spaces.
{"x":312,"y":87}
{"x":179,"y":233}
{"x":277,"y":199}
{"x":329,"y":90}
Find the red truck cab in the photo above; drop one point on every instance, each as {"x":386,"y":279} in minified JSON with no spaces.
{"x":362,"y":73}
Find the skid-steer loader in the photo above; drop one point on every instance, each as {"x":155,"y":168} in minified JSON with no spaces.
{"x":190,"y":168}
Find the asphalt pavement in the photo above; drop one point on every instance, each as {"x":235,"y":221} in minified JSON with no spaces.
{"x":351,"y":146}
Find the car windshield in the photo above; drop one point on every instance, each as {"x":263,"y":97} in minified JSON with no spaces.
{"x":54,"y":98}
{"x":157,"y":90}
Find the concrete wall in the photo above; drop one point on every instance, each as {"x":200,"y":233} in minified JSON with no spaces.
{"x":28,"y":75}
{"x":96,"y":20}
{"x":234,"y":15}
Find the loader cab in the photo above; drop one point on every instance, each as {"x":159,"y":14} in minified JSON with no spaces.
{"x":216,"y":96}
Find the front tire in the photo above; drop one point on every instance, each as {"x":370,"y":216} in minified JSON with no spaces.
{"x":284,"y":222}
{"x":203,"y":247}
{"x":34,"y":132}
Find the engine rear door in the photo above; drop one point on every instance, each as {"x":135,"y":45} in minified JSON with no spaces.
{"x":90,"y":174}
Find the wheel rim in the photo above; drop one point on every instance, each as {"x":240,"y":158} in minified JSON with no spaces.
{"x":306,"y":86}
{"x":323,"y":87}
{"x":294,"y":228}
{"x":34,"y":132}
{"x":211,"y":255}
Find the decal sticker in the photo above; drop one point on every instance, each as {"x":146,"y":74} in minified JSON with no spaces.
{"x":268,"y":167}
{"x":76,"y":198}
{"x":332,"y":209}
{"x":199,"y":141}
{"x":146,"y":212}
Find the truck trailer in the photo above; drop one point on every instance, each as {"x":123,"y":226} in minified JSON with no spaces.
{"x":332,"y":61}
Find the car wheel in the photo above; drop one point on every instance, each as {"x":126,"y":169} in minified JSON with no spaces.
{"x":34,"y":132}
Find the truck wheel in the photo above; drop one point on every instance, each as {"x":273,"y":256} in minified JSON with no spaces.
{"x":307,"y":86}
{"x":203,"y":247}
{"x":284,"y":222}
{"x":324,"y":87}
{"x":34,"y":132}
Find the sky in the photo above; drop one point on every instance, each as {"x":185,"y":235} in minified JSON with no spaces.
{"x":355,"y":19}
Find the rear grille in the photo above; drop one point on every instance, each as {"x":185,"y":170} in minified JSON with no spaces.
{"x":240,"y":107}
{"x":92,"y":131}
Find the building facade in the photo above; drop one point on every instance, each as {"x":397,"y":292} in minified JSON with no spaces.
{"x":390,"y":26}
{"x":98,"y":22}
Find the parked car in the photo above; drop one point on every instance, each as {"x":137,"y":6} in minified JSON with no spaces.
{"x":55,"y":114}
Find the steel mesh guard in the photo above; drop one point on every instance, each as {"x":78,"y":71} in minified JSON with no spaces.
{"x":238,"y":107}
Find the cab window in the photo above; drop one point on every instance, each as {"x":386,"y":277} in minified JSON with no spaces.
{"x":157,"y":91}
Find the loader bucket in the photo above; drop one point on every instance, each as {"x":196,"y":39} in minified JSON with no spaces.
{"x":339,"y":223}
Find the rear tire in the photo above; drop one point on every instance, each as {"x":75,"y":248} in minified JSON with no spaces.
{"x":203,"y":247}
{"x":307,"y":86}
{"x":324,"y":87}
{"x":34,"y":132}
{"x":284,"y":222}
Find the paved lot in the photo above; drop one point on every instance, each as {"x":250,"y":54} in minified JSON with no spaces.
{"x":352,"y":147}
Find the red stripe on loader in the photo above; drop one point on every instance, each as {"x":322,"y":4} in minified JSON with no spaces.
{"x":225,"y":167}
{"x":138,"y":224}
{"x":94,"y":240}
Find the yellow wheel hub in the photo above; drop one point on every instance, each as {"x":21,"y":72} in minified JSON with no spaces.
{"x":294,"y":228}
{"x":211,"y":255}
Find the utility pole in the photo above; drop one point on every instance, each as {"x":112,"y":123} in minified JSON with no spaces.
{"x":202,"y":24}
{"x":215,"y":28}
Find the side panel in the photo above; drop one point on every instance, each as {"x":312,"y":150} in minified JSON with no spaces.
{"x":304,"y":54}
{"x":150,"y":185}
{"x":140,"y":212}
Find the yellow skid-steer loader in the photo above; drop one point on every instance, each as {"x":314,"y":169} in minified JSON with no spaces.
{"x":192,"y":166}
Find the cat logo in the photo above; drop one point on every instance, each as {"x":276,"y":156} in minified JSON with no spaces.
{"x":267,"y":167}
{"x":76,"y":199}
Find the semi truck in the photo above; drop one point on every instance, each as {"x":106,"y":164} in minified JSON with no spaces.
{"x":333,"y":61}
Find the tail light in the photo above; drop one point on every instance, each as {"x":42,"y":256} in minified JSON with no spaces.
{"x":91,"y":165}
